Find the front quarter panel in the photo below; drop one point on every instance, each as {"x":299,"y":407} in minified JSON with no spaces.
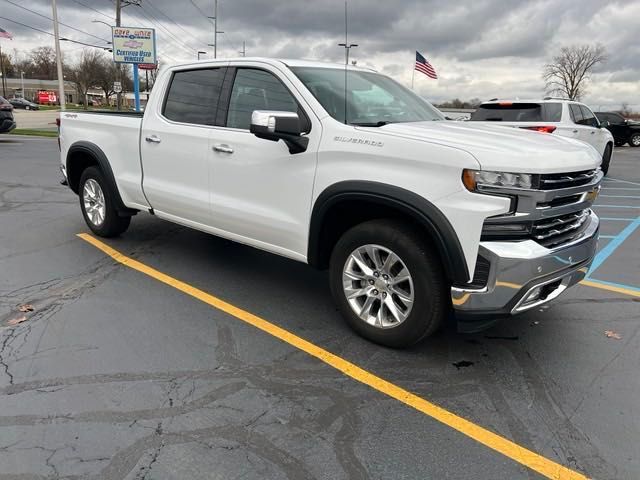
{"x":430,"y":170}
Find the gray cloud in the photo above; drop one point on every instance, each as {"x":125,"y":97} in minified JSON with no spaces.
{"x":481,"y":48}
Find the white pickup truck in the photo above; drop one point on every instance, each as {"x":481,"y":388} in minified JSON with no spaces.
{"x":413,"y":215}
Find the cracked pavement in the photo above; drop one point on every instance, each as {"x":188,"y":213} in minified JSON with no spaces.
{"x":115,"y":376}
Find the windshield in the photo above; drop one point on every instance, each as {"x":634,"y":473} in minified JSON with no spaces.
{"x":371,"y":99}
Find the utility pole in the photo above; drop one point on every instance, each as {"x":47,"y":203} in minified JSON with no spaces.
{"x":56,"y":34}
{"x":4,"y":86}
{"x":215,"y":29}
{"x":243,"y":52}
{"x":118,"y":70}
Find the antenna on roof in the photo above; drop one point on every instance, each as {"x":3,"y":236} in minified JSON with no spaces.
{"x":347,"y":46}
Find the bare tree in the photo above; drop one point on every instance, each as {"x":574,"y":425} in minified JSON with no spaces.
{"x":86,"y":73}
{"x":43,"y":61}
{"x":108,"y":74}
{"x":571,"y":69}
{"x":625,"y":111}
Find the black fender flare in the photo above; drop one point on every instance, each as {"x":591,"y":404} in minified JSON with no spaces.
{"x":96,"y":153}
{"x":417,"y":207}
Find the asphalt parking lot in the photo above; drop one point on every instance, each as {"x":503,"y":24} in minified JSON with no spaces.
{"x":115,"y":374}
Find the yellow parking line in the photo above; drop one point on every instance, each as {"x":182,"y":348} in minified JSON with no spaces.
{"x":524,"y":456}
{"x":611,"y":288}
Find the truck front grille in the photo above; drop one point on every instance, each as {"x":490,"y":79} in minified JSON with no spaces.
{"x":554,"y":231}
{"x":554,"y":181}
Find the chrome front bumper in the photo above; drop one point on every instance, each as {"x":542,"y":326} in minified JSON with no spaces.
{"x":524,"y":275}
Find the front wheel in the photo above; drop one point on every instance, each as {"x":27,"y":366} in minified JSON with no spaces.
{"x":606,"y":159}
{"x":96,"y":202}
{"x":388,"y":283}
{"x":634,"y":140}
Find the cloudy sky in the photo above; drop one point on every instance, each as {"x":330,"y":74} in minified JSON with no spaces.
{"x":480,"y":48}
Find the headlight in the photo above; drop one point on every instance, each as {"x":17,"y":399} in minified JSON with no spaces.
{"x":473,"y":179}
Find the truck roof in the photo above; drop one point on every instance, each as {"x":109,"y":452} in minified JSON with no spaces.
{"x":275,"y":61}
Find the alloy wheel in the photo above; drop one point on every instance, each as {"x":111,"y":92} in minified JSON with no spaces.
{"x":378,"y":286}
{"x":94,"y":204}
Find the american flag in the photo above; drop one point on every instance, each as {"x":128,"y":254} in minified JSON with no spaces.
{"x":5,"y":34}
{"x":423,"y":65}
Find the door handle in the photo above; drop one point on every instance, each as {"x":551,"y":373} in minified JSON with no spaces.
{"x":575,"y":131}
{"x":152,"y":139}
{"x":222,"y":147}
{"x":593,"y":132}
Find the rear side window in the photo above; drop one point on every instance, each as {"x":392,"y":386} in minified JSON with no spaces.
{"x":589,"y":118}
{"x":576,"y":113}
{"x":518,"y":112}
{"x":193,"y":96}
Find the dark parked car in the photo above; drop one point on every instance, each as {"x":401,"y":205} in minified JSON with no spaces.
{"x":623,"y":130}
{"x":23,"y":103}
{"x":7,"y":123}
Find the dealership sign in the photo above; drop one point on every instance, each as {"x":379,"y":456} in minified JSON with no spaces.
{"x":134,"y":45}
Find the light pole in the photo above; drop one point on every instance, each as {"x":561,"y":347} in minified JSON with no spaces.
{"x":201,"y":53}
{"x":22,"y":83}
{"x":56,"y":35}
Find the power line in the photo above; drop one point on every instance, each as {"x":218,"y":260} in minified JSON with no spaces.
{"x":201,"y":12}
{"x":50,"y":19}
{"x":174,"y":22}
{"x":156,"y":22}
{"x":91,"y":8}
{"x":27,"y":26}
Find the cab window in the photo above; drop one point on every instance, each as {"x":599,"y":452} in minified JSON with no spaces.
{"x":193,"y":96}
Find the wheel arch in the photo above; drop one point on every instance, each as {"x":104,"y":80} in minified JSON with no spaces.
{"x":345,"y":204}
{"x":82,"y":155}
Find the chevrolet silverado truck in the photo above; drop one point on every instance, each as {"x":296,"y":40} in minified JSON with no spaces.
{"x":415,"y":217}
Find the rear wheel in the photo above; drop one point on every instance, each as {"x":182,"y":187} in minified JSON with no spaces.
{"x":388,"y":283}
{"x":98,"y":209}
{"x":606,"y":159}
{"x":634,"y":140}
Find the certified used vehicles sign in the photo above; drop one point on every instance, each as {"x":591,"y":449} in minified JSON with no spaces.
{"x":134,"y":45}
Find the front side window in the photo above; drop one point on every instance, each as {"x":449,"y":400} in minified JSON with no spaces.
{"x":193,"y":96}
{"x":370,"y":99}
{"x":589,"y":118}
{"x":255,"y":89}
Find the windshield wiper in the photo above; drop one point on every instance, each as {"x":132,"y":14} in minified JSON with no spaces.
{"x":371,"y":124}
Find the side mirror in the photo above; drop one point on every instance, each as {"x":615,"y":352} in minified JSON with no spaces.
{"x":275,"y":125}
{"x":604,"y":123}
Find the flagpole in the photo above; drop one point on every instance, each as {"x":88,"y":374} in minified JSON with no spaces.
{"x":413,"y":74}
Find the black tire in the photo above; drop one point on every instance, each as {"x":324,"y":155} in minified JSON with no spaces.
{"x":634,"y":140}
{"x":113,"y":224}
{"x":606,"y":159}
{"x":620,"y":144}
{"x":431,"y":290}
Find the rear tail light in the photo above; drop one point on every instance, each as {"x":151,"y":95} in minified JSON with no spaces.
{"x":542,"y":128}
{"x":6,"y":106}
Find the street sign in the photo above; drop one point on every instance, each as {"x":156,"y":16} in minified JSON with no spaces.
{"x":117,"y":87}
{"x":134,"y":45}
{"x":147,"y":66}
